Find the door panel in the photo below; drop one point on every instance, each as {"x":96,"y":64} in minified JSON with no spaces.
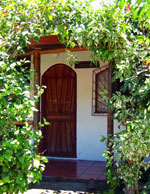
{"x":59,"y":108}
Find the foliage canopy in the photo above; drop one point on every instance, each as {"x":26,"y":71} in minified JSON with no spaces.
{"x":20,"y":21}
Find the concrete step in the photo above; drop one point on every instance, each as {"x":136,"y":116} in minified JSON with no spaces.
{"x":59,"y":184}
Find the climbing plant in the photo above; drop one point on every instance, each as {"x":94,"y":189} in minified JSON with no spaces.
{"x":119,"y":32}
{"x":21,"y":21}
{"x":123,"y":36}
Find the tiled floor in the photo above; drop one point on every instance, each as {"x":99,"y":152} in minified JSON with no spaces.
{"x":81,"y":169}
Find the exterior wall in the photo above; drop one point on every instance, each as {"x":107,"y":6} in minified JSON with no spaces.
{"x":89,"y":128}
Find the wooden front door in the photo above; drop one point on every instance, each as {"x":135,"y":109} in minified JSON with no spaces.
{"x":59,"y":108}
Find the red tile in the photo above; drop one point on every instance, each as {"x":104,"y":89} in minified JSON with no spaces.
{"x":100,"y":164}
{"x":82,"y":169}
{"x":75,"y":169}
{"x":84,"y":163}
{"x":95,"y":168}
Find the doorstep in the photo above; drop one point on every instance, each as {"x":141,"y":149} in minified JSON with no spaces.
{"x":75,"y":170}
{"x":74,"y":175}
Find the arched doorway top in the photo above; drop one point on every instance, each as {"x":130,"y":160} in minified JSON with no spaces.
{"x":59,"y":65}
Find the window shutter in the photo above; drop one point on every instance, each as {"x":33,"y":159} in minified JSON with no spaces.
{"x":101,"y":86}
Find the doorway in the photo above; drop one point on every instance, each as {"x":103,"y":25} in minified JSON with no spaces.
{"x":59,"y":108}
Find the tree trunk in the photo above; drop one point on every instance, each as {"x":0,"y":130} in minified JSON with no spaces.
{"x":129,"y":190}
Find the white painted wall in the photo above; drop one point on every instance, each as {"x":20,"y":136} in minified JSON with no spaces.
{"x":89,"y":128}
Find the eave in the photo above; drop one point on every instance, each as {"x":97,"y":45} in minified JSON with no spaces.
{"x":49,"y":44}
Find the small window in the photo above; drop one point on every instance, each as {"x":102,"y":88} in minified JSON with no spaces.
{"x":100,"y":85}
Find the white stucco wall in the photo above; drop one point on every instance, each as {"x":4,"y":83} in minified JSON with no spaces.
{"x":89,"y":128}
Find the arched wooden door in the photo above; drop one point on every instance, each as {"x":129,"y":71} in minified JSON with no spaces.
{"x":59,"y":108}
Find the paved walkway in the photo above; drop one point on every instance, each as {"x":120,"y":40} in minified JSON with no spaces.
{"x":73,"y":169}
